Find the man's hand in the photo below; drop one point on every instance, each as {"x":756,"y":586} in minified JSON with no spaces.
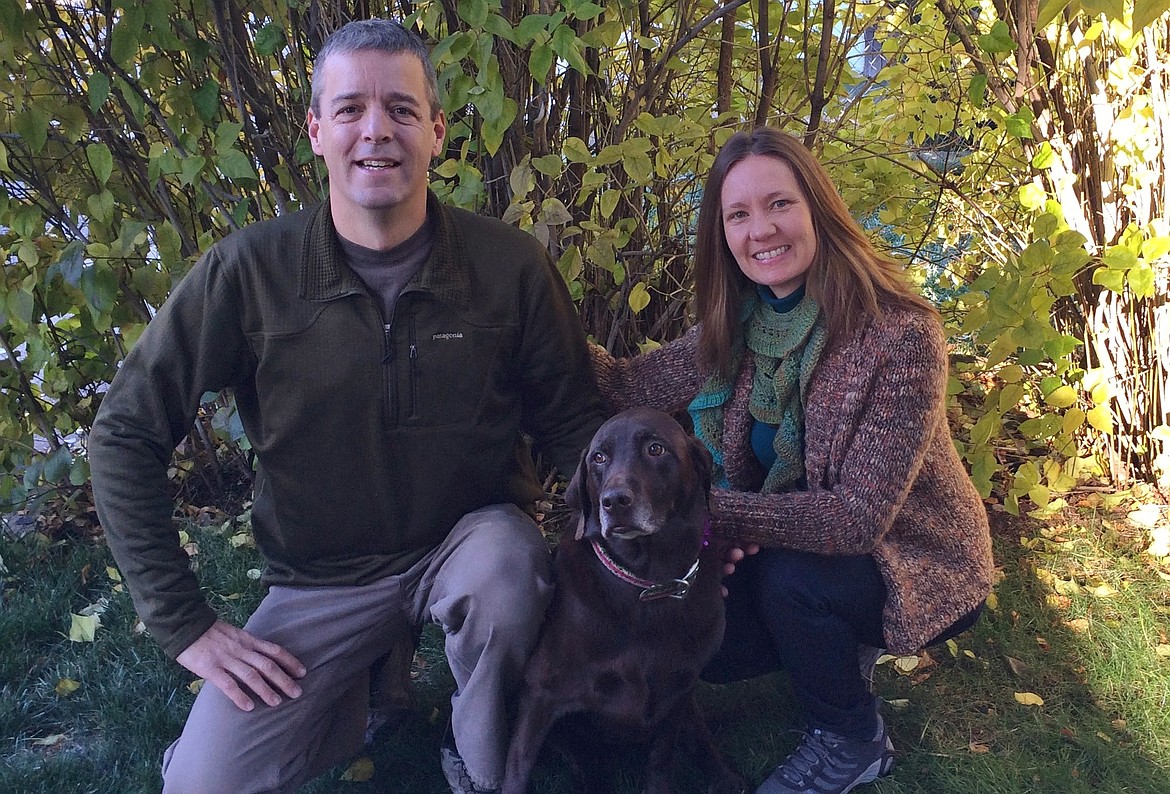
{"x":239,"y":663}
{"x":735,"y":555}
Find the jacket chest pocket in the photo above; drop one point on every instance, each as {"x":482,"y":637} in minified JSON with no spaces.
{"x":452,"y":372}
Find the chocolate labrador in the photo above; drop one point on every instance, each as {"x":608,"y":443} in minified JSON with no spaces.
{"x":637,"y":611}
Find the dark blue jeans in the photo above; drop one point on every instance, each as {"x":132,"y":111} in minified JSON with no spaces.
{"x":807,"y":613}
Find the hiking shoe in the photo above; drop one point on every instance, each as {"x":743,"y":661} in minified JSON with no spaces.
{"x":456,"y":771}
{"x":826,"y":763}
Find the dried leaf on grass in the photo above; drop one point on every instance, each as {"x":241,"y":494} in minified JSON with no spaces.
{"x":359,"y":771}
{"x":83,"y":628}
{"x":66,"y":687}
{"x":1029,"y":699}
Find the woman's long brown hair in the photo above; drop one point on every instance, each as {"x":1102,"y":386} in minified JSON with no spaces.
{"x":849,"y":278}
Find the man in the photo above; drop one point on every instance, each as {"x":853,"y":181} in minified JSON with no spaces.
{"x":387,"y":353}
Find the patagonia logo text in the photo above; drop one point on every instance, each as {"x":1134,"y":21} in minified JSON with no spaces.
{"x":451,"y":335}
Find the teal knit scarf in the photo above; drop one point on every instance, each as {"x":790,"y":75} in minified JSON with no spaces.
{"x":785,"y":348}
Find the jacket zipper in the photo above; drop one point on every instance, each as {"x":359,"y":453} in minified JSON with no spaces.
{"x":413,"y":369}
{"x":387,"y":376}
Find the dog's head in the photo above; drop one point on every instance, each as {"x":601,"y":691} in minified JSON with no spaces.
{"x":640,"y":472}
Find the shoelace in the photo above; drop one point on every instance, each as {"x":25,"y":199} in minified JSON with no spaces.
{"x":814,"y":749}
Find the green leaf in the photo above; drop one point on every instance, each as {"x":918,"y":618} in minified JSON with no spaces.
{"x":1044,"y":158}
{"x":1146,"y":12}
{"x":1049,"y":10}
{"x":608,"y":202}
{"x":101,"y":161}
{"x":576,"y":151}
{"x":1120,"y":257}
{"x":98,"y":90}
{"x":977,"y":90}
{"x":206,"y":100}
{"x":1110,"y":279}
{"x":1032,"y":196}
{"x":269,"y":39}
{"x":33,"y":127}
{"x":20,"y":305}
{"x":1020,"y":123}
{"x":233,"y":164}
{"x":1155,"y":248}
{"x":1141,"y":280}
{"x":1112,"y":9}
{"x":70,"y":264}
{"x":58,"y":464}
{"x":640,"y":168}
{"x":549,"y":165}
{"x":124,"y":41}
{"x":554,"y":212}
{"x":540,"y":62}
{"x":587,"y":11}
{"x":999,"y":40}
{"x":101,"y":206}
{"x":639,"y":298}
{"x":473,"y":12}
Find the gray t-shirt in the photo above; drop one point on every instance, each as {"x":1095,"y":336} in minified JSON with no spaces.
{"x":387,"y":272}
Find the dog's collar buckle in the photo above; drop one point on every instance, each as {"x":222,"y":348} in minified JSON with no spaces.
{"x":651,"y":591}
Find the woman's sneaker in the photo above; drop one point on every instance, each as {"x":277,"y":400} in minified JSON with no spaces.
{"x":456,"y":771}
{"x":826,"y":763}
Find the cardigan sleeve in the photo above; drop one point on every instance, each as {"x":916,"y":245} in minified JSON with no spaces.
{"x":884,"y":399}
{"x":666,"y":378}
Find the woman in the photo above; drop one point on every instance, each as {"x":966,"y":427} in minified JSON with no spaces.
{"x":816,"y":377}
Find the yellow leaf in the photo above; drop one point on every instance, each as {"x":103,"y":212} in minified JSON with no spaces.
{"x":359,"y":771}
{"x":979,"y":748}
{"x":992,"y":601}
{"x":1029,"y":699}
{"x":195,"y":686}
{"x":1163,"y":650}
{"x":83,"y":627}
{"x":66,"y":687}
{"x":1079,"y":625}
{"x":1104,"y":590}
{"x":113,"y":574}
{"x":906,"y":664}
{"x":1100,"y":418}
{"x":1061,"y":397}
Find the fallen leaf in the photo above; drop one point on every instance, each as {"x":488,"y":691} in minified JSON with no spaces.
{"x":253,"y":573}
{"x":195,"y":686}
{"x":49,"y":741}
{"x":84,"y":627}
{"x":1043,"y":643}
{"x":1057,"y":602}
{"x":66,"y":687}
{"x":1079,"y":625}
{"x":898,"y":704}
{"x":1029,"y":699}
{"x":1159,"y":542}
{"x":1019,"y":669}
{"x":359,"y":771}
{"x":1119,"y":724}
{"x":906,"y":664}
{"x":978,"y":748}
{"x":113,"y":574}
{"x":992,"y":601}
{"x":1163,"y":650}
{"x":1104,"y":590}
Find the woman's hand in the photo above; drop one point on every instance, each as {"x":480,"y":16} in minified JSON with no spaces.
{"x":735,"y":555}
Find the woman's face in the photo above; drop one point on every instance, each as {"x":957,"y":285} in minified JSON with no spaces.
{"x":768,"y":223}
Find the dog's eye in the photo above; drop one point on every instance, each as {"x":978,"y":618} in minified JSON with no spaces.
{"x":655,"y":449}
{"x":600,"y":457}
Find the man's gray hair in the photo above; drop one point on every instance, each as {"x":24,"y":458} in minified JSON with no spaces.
{"x":382,"y":35}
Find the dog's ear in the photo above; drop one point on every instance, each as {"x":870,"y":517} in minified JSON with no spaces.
{"x":702,"y":463}
{"x":577,"y":494}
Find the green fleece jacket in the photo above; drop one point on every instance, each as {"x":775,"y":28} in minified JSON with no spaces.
{"x":372,"y":438}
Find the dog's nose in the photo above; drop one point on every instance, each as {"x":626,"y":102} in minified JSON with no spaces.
{"x":616,"y":499}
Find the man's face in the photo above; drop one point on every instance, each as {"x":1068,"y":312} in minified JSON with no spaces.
{"x":377,"y":135}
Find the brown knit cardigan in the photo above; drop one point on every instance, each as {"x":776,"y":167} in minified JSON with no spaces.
{"x":883,"y":476}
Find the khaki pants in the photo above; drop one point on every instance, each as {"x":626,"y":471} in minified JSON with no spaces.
{"x":487,"y":586}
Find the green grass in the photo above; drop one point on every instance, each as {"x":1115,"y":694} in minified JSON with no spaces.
{"x":1081,"y":612}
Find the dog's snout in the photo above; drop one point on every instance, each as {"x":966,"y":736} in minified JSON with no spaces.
{"x":616,"y":498}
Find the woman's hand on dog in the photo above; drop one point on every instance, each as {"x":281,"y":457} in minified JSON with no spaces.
{"x":735,"y":555}
{"x":239,"y":663}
